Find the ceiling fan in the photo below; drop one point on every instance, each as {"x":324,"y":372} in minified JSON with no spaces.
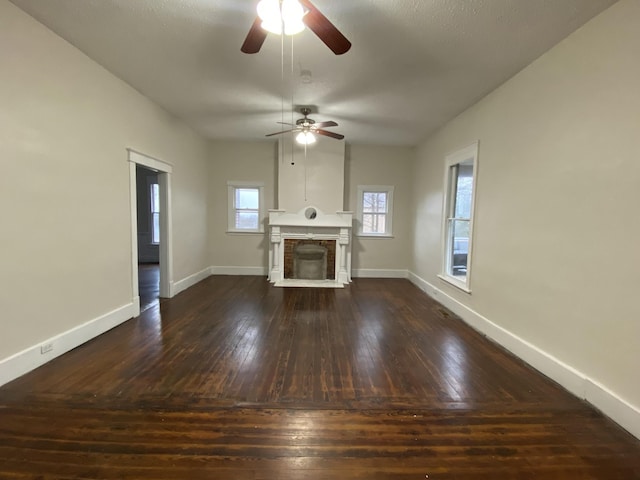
{"x":307,"y":127}
{"x":311,"y":18}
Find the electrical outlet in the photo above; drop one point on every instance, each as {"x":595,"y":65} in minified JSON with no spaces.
{"x":46,"y":348}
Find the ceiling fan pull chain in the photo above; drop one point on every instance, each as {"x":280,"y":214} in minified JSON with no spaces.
{"x":282,"y":88}
{"x":305,"y":172}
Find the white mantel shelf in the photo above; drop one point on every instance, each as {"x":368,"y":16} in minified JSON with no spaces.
{"x":312,"y":224}
{"x":283,"y":219}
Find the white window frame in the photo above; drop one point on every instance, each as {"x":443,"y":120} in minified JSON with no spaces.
{"x":467,"y":155}
{"x":153,"y":211}
{"x":232,"y":186}
{"x":388,"y":189}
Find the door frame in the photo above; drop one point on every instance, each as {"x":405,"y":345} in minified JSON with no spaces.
{"x":164,"y":170}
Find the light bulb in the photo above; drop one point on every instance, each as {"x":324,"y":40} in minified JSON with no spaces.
{"x":305,"y":138}
{"x":272,"y":26}
{"x":269,"y":13}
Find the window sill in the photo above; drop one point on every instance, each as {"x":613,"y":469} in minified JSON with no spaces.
{"x":374,"y":235}
{"x":245,"y":232}
{"x":456,"y":283}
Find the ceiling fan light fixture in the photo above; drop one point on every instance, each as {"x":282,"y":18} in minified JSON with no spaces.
{"x":274,"y":14}
{"x":305,"y":138}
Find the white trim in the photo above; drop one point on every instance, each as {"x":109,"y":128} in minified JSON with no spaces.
{"x":388,"y":189}
{"x":23,"y":362}
{"x":228,"y":270}
{"x":371,"y":236}
{"x":232,"y":186}
{"x":620,"y":411}
{"x":238,"y":183}
{"x":166,"y":236}
{"x":575,"y":381}
{"x":244,"y":232}
{"x":465,"y":154}
{"x":133,"y":205}
{"x":164,"y":170}
{"x":148,"y":161}
{"x":455,"y":282}
{"x":379,"y":273}
{"x":190,"y":281}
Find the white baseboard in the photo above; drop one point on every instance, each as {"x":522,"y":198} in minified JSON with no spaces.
{"x":22,"y":362}
{"x":578,"y":383}
{"x":262,"y":271}
{"x":259,"y":271}
{"x":190,"y":281}
{"x":379,"y":273}
{"x":619,"y":410}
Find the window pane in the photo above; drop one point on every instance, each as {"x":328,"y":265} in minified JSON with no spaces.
{"x":155,"y":213}
{"x":367,"y":223}
{"x":374,"y":202}
{"x":459,"y":248}
{"x":155,"y":198}
{"x":464,"y":191}
{"x":155,"y":228}
{"x":247,"y":198}
{"x":247,"y":220}
{"x":373,"y":223}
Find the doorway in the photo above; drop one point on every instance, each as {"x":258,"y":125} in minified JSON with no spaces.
{"x":151,"y":259}
{"x":149,"y":238}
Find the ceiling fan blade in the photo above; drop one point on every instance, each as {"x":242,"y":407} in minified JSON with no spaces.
{"x":255,"y":37}
{"x":327,"y":133}
{"x":284,"y":131}
{"x":285,"y":123}
{"x":330,"y":123}
{"x":324,"y":29}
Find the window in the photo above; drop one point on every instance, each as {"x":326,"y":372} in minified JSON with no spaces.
{"x":155,"y":213}
{"x":374,"y":210}
{"x":245,"y":207}
{"x":460,"y":177}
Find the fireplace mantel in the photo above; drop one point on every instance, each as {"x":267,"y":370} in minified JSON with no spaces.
{"x":312,"y":224}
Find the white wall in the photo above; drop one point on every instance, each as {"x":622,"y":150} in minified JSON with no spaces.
{"x":239,"y":161}
{"x":555,"y":259}
{"x":314,"y":177}
{"x":65,"y":124}
{"x":259,"y":162}
{"x":380,"y":165}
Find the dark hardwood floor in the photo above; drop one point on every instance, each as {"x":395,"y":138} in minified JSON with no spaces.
{"x":148,"y":284}
{"x":236,"y":379}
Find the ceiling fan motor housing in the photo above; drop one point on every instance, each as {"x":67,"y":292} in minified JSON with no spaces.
{"x":305,"y":122}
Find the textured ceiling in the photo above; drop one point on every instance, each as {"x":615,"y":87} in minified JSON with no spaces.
{"x":414,"y":64}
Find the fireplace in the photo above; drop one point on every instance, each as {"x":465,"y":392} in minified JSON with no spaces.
{"x":310,"y":248}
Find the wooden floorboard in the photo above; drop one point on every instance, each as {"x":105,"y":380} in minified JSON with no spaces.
{"x":234,"y":378}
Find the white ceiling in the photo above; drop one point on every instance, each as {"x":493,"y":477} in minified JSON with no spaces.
{"x":414,"y":64}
